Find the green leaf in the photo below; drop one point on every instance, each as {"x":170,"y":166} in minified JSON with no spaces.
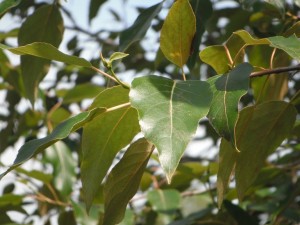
{"x":94,"y":8}
{"x":38,"y":175}
{"x":290,"y":45}
{"x":178,"y":32}
{"x":216,"y":57}
{"x":81,"y":92}
{"x":44,"y":25}
{"x":240,"y":215}
{"x":259,"y":131}
{"x":47,"y":51}
{"x":104,"y":137}
{"x":5,"y":5}
{"x":81,"y":215}
{"x":11,"y":199}
{"x":117,"y":55}
{"x":169,"y":112}
{"x":227,"y":160}
{"x":11,"y":33}
{"x":164,"y":200}
{"x":33,"y":147}
{"x":228,"y":90}
{"x":139,"y":28}
{"x":60,"y":157}
{"x":203,"y":11}
{"x":123,"y":181}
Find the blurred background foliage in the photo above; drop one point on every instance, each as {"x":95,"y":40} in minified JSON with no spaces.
{"x":47,"y":189}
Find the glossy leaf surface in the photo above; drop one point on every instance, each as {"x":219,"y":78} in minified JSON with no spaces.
{"x":228,"y":90}
{"x":178,"y":32}
{"x":169,"y":112}
{"x":123,"y":181}
{"x":139,"y":28}
{"x":104,"y":137}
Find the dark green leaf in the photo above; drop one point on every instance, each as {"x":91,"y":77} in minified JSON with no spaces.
{"x":227,"y":160}
{"x":259,"y":131}
{"x":138,"y":30}
{"x":203,"y":11}
{"x":228,"y":90}
{"x":105,"y":137}
{"x":178,"y":32}
{"x":164,"y":200}
{"x":5,"y":5}
{"x":44,"y":25}
{"x":123,"y":181}
{"x":33,"y":147}
{"x":169,"y":112}
{"x":240,"y":215}
{"x":47,"y":51}
{"x":94,"y":8}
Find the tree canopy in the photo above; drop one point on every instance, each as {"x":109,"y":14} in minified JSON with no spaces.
{"x":189,"y":115}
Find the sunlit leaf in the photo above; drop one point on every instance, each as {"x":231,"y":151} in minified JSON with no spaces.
{"x":47,"y":51}
{"x":123,"y":181}
{"x":48,"y":27}
{"x":169,"y":112}
{"x":228,"y":90}
{"x":164,"y":200}
{"x":259,"y":131}
{"x":33,"y":147}
{"x":138,"y":30}
{"x":178,"y":32}
{"x":216,"y":57}
{"x":104,"y":137}
{"x":117,"y":55}
{"x":5,"y":5}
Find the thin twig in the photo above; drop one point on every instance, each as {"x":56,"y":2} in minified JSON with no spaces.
{"x":104,"y":74}
{"x":275,"y":71}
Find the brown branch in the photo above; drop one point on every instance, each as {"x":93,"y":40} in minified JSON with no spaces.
{"x":274,"y":71}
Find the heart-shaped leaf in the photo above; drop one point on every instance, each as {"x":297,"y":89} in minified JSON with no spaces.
{"x":169,"y":112}
{"x":178,"y":32}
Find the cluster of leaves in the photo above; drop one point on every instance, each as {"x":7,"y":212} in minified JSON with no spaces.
{"x":239,"y":85}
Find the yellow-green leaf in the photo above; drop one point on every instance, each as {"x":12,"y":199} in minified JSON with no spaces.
{"x":178,"y":32}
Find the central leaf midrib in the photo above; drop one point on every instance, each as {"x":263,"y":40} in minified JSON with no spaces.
{"x":171,"y":112}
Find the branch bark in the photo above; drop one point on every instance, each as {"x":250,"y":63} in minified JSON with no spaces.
{"x":275,"y":71}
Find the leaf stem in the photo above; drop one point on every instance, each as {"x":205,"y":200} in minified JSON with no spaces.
{"x":117,"y":79}
{"x":104,"y":74}
{"x":274,"y":71}
{"x":118,"y":107}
